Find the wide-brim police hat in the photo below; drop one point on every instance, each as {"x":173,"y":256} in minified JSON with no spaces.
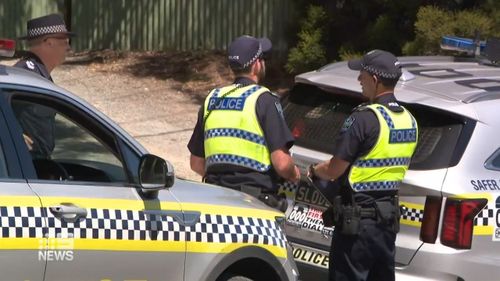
{"x":49,"y":24}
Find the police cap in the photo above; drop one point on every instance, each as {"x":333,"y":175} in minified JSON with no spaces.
{"x":378,"y":62}
{"x":245,"y":50}
{"x":49,"y":24}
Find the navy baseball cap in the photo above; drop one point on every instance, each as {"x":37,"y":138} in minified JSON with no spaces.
{"x":378,"y":62}
{"x":245,"y":50}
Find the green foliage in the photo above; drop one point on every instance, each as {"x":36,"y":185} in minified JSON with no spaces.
{"x":309,"y":53}
{"x":348,"y":54}
{"x":432,"y":23}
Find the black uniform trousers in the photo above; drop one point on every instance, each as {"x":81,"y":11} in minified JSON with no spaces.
{"x":368,"y":256}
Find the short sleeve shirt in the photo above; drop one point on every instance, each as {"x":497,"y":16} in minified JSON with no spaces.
{"x":358,"y":136}
{"x":33,"y":63}
{"x":38,"y":122}
{"x":276,"y":133}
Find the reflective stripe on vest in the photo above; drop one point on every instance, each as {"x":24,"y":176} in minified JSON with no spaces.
{"x":232,"y":131}
{"x":384,"y":167}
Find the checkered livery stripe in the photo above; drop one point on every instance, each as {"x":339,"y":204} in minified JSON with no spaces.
{"x":288,"y":187}
{"x":21,"y":222}
{"x":26,"y":222}
{"x":485,"y":217}
{"x":372,"y":163}
{"x":237,"y":160}
{"x":413,"y":214}
{"x":39,"y":31}
{"x":236,"y":133}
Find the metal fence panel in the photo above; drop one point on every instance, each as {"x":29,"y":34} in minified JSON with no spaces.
{"x":176,"y":24}
{"x":155,"y":24}
{"x":15,"y":13}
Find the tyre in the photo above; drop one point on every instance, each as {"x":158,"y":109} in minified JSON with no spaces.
{"x":233,"y":277}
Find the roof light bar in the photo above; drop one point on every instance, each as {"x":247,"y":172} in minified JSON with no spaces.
{"x":461,"y":44}
{"x":7,"y":47}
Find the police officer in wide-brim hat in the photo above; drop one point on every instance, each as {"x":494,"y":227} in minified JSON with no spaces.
{"x":48,"y":40}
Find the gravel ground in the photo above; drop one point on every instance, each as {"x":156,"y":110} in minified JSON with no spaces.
{"x":153,"y":96}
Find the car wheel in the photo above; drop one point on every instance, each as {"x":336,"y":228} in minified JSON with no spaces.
{"x":233,"y":277}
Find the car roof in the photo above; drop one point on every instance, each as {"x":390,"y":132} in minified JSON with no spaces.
{"x":450,"y":83}
{"x":19,"y":76}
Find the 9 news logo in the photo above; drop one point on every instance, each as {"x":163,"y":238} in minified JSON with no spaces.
{"x":56,"y":249}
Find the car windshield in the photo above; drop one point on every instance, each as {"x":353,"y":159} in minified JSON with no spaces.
{"x":316,"y":115}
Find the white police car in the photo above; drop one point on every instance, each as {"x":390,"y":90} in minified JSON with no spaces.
{"x":454,"y":175}
{"x":102,"y":208}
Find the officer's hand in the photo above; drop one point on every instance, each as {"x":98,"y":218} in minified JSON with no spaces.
{"x":28,"y":141}
{"x":296,"y":177}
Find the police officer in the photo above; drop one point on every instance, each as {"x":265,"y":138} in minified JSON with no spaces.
{"x":371,"y":155}
{"x":241,"y":140}
{"x":48,"y":42}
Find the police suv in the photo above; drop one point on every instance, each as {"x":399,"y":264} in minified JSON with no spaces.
{"x":102,"y":208}
{"x":450,"y":197}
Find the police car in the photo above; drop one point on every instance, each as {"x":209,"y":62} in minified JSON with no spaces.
{"x":102,"y":208}
{"x":450,"y":198}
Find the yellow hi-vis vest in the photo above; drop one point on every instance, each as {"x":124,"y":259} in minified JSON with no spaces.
{"x":232,"y":131}
{"x":384,"y":167}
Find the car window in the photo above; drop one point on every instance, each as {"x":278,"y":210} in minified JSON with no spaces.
{"x":315,"y":117}
{"x":493,"y":162}
{"x":3,"y":165}
{"x":66,"y":145}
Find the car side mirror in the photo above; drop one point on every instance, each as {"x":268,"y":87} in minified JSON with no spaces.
{"x":155,"y":173}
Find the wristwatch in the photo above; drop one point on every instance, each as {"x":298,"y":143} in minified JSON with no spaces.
{"x":310,"y":172}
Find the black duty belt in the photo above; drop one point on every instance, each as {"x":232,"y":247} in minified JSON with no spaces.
{"x":368,"y":213}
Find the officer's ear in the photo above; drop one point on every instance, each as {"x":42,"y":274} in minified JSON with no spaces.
{"x":255,"y":66}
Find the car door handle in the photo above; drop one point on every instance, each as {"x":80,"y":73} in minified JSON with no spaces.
{"x":68,"y":212}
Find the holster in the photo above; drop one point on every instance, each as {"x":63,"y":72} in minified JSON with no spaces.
{"x":346,"y":218}
{"x":388,"y":213}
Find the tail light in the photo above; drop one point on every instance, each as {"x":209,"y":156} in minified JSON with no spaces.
{"x":298,"y":128}
{"x":7,"y":47}
{"x":430,"y":221}
{"x":458,"y":221}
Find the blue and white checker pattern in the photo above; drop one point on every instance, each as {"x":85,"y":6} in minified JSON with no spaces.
{"x":236,"y":133}
{"x":398,"y":161}
{"x":386,"y":116}
{"x":376,"y":185}
{"x":245,"y":94}
{"x":250,"y":91}
{"x":237,"y":160}
{"x":26,"y":222}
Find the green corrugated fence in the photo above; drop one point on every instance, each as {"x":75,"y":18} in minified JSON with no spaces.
{"x":15,"y":13}
{"x":157,"y":24}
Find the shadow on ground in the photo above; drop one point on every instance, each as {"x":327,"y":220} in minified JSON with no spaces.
{"x":193,"y":73}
